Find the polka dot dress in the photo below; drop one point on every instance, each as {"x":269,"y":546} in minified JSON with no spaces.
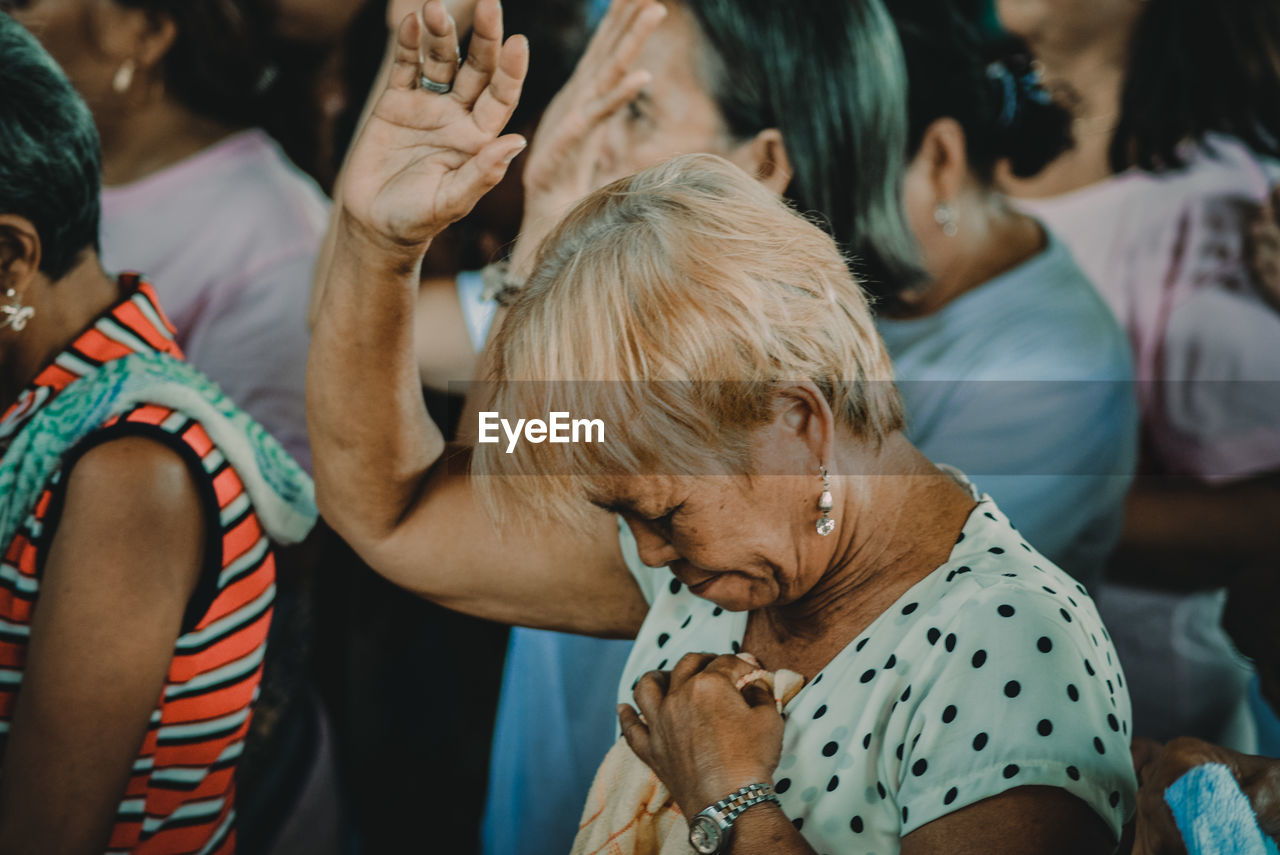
{"x":993,"y":672}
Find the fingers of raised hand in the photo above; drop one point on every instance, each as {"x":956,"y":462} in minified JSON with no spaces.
{"x":623,"y":53}
{"x":478,"y":175}
{"x":406,"y":67}
{"x":495,"y":104}
{"x":483,"y":52}
{"x":438,"y":45}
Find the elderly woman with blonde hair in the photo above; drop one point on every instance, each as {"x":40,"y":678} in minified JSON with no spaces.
{"x":961,"y":693}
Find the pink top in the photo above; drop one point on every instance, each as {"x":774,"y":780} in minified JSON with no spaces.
{"x":229,"y":238}
{"x":1167,"y":254}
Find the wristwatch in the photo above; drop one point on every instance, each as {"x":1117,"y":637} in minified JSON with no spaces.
{"x":710,"y":830}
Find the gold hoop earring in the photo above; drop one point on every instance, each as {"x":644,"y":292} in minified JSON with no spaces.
{"x":826,"y":524}
{"x":15,"y":315}
{"x":124,"y":77}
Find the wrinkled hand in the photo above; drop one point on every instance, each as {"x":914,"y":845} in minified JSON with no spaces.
{"x":702,"y":737}
{"x":1158,"y":767}
{"x":423,"y":159}
{"x":1263,"y":249}
{"x":566,"y":147}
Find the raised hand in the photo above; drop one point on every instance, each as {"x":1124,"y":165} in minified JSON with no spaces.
{"x":425,"y":158}
{"x":566,"y":147}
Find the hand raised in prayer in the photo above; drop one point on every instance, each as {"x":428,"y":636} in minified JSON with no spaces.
{"x":425,"y":158}
{"x":1263,"y":249}
{"x":701,"y":735}
{"x":565,"y":150}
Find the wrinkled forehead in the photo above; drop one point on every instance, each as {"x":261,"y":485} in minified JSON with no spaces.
{"x":639,"y":494}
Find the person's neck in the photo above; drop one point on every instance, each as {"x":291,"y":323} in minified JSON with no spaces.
{"x":69,"y":305}
{"x":1094,"y":77}
{"x":993,"y":240}
{"x":153,"y":137}
{"x":897,"y":524}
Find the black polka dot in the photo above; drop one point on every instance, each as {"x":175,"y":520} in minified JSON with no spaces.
{"x":960,"y":538}
{"x":1024,"y":546}
{"x":949,"y":714}
{"x":1005,"y":610}
{"x":995,"y":550}
{"x":686,"y":622}
{"x":1072,"y":692}
{"x":904,"y":813}
{"x":861,"y":644}
{"x":816,"y":680}
{"x":1113,"y":723}
{"x":901,"y":746}
{"x":1124,"y":728}
{"x":830,"y":749}
{"x":1114,"y":798}
{"x":1110,"y":688}
{"x":663,"y":639}
{"x":674,"y":587}
{"x":1066,"y":615}
{"x":1010,"y":575}
{"x":1088,"y":669}
{"x":1098,"y":746}
{"x":1012,"y":688}
{"x":890,"y":662}
{"x":866,"y":741}
{"x":798,"y":822}
{"x":1010,"y":770}
{"x":855,"y":824}
{"x":661,"y":665}
{"x":909,"y":608}
{"x":735,"y":647}
{"x":881,"y":790}
{"x":1044,"y":645}
{"x":950,"y":643}
{"x":906,"y":694}
{"x":1045,"y":727}
{"x":980,"y":742}
{"x":1073,"y":773}
{"x":933,"y":635}
{"x":919,"y":767}
{"x":950,"y":796}
{"x":868,"y":675}
{"x":820,"y":711}
{"x":782,"y":786}
{"x":1050,"y":590}
{"x":833,"y":783}
{"x":717,"y":611}
{"x":960,"y":570}
{"x":916,"y":739}
{"x":989,"y":515}
{"x":979,"y":658}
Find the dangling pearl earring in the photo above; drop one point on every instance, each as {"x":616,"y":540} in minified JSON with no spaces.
{"x":945,"y":216}
{"x":15,"y":314}
{"x":826,"y":525}
{"x":124,"y":77}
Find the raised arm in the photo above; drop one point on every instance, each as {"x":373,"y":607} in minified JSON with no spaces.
{"x":421,"y":162}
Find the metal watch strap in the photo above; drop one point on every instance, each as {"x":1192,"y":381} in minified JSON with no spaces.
{"x":732,"y":807}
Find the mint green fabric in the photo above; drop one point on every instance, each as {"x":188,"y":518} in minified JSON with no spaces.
{"x":281,"y":492}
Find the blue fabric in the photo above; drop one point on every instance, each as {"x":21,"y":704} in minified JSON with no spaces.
{"x":1214,"y":816}
{"x":987,"y":382}
{"x":1025,"y":384}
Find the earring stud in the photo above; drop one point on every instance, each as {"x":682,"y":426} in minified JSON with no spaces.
{"x":15,"y":314}
{"x":945,"y":216}
{"x":826,"y":524}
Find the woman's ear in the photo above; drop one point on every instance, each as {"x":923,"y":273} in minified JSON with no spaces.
{"x":803,"y":430}
{"x":764,"y":156}
{"x":943,"y":158}
{"x":140,"y":36}
{"x":20,"y":253}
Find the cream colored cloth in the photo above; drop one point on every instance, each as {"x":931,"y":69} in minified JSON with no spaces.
{"x":629,"y":811}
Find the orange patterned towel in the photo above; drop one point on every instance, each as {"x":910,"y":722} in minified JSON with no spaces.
{"x":630,"y":812}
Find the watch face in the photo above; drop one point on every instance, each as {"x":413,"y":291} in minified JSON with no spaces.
{"x":705,"y":835}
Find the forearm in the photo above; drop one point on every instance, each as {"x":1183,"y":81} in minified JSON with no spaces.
{"x":372,"y":440}
{"x":765,"y":830}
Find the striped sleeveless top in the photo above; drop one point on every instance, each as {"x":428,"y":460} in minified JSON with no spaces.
{"x":181,"y":794}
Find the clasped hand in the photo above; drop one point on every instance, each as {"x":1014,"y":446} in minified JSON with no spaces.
{"x":702,"y":736}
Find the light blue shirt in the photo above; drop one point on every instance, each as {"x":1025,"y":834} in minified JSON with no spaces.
{"x":1023,"y":383}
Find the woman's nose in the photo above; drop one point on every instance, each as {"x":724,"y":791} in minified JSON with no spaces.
{"x":652,"y":546}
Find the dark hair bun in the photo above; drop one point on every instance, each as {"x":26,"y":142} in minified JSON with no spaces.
{"x":1031,"y":129}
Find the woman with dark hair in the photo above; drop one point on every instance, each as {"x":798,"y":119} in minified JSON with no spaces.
{"x":1178,"y":143}
{"x":138,"y":506}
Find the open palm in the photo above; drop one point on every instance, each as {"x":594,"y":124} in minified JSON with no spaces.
{"x":424,"y":159}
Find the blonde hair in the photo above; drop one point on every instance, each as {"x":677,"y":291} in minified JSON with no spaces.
{"x":670,"y":305}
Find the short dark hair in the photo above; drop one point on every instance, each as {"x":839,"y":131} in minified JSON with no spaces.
{"x":831,"y":78}
{"x":220,"y":64}
{"x":50,"y":166}
{"x":1197,"y":67}
{"x":1003,"y":109}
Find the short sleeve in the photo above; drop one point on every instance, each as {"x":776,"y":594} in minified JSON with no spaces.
{"x":650,"y":579}
{"x":477,"y":312}
{"x":1020,"y":688}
